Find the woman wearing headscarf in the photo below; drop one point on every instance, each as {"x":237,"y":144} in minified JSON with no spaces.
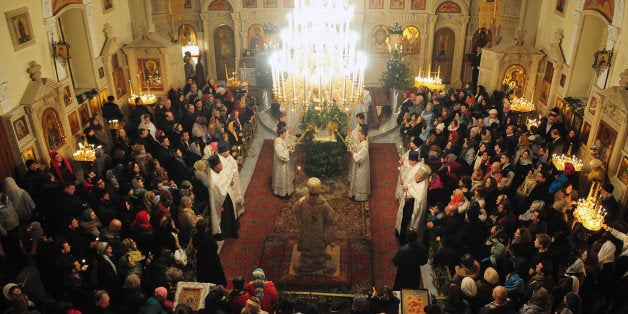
{"x":141,"y":230}
{"x":22,"y":201}
{"x":208,"y":266}
{"x":264,"y":290}
{"x":148,"y":125}
{"x":89,"y":223}
{"x":61,"y":168}
{"x":523,"y":165}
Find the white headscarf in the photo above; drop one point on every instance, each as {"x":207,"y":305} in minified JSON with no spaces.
{"x":22,"y":201}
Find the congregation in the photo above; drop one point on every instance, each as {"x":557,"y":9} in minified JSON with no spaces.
{"x":478,"y":195}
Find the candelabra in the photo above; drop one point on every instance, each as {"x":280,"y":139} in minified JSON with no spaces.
{"x":86,"y":152}
{"x":434,"y":83}
{"x":522,"y":105}
{"x":318,"y":61}
{"x":559,"y":162}
{"x":588,"y":211}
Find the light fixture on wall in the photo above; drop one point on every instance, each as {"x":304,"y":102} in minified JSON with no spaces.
{"x":317,"y":61}
{"x":589,"y":211}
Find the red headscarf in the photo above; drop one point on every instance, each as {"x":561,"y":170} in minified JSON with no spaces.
{"x":141,"y":219}
{"x":57,"y":168}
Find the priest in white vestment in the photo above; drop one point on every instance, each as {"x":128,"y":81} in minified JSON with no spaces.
{"x":230,"y":168}
{"x":413,"y":206}
{"x":283,"y":169}
{"x":222,"y":208}
{"x":360,"y":171}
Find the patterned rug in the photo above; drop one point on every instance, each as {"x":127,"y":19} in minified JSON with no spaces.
{"x":269,"y":227}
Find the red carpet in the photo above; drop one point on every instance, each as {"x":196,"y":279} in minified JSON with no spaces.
{"x":383,"y":210}
{"x":260,"y":245}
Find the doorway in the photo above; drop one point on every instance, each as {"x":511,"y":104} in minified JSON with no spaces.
{"x":224,"y":49}
{"x":442,"y":55}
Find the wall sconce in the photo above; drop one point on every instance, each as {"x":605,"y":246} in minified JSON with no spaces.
{"x":61,"y":49}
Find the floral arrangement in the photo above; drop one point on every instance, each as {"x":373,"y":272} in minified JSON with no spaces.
{"x":270,"y":28}
{"x":396,"y":29}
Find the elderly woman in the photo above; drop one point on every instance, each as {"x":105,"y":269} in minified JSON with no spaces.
{"x":187,"y":219}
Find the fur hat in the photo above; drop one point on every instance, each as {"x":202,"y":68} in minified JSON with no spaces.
{"x":223,"y":147}
{"x":468,"y":287}
{"x":101,"y":248}
{"x":491,"y":276}
{"x":440,"y":126}
{"x":214,"y":160}
{"x":29,"y":163}
{"x":413,"y":155}
{"x":608,"y":188}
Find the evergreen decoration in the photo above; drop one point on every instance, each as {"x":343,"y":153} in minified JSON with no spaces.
{"x":397,"y":74}
{"x":576,"y":106}
{"x":324,"y":159}
{"x":395,"y":29}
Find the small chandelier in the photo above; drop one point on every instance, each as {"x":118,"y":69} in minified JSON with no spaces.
{"x":86,"y":152}
{"x":434,"y":83}
{"x":559,"y":162}
{"x":522,"y":105}
{"x":317,"y":61}
{"x":588,"y":211}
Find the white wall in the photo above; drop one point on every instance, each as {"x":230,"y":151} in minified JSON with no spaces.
{"x":14,"y":64}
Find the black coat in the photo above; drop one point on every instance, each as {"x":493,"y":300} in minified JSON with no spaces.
{"x":208,"y":266}
{"x":408,"y":261}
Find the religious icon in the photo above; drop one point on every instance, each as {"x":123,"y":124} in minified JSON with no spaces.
{"x":560,"y":6}
{"x":376,"y":4}
{"x":380,"y":39}
{"x":19,"y":23}
{"x":256,"y":37}
{"x":270,"y":3}
{"x":83,"y":114}
{"x":150,"y":74}
{"x":20,"y":128}
{"x":249,"y":3}
{"x":417,"y":5}
{"x":29,"y":154}
{"x":67,"y":95}
{"x":397,"y":4}
{"x":107,"y":6}
{"x":53,"y":130}
{"x":74,"y":122}
{"x":410,"y":40}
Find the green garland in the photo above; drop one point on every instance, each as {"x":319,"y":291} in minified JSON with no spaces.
{"x":324,"y":159}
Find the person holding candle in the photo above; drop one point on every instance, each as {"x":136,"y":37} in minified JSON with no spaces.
{"x":360,"y":175}
{"x":283,"y":169}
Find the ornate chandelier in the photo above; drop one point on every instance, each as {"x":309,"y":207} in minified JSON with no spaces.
{"x":317,"y":61}
{"x":86,"y":152}
{"x":434,"y":83}
{"x":522,"y":105}
{"x":559,"y":162}
{"x":588,"y":211}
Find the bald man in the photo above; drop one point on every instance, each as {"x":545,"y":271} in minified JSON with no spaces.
{"x":500,"y":304}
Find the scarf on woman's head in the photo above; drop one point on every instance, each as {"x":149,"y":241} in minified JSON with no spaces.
{"x":259,"y":278}
{"x":141,"y":219}
{"x":57,"y":168}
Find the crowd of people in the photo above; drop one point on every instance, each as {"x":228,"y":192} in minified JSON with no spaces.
{"x":480,"y":197}
{"x":146,"y":214}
